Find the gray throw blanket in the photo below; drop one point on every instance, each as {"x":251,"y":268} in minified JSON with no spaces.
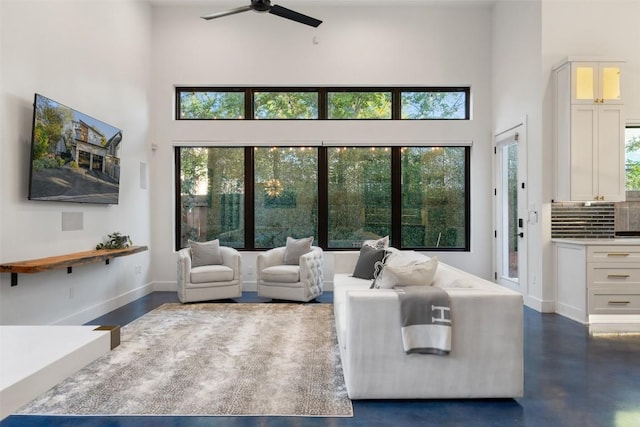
{"x":426,"y":319}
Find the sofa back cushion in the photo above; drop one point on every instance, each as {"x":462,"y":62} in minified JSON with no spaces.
{"x":205,"y":253}
{"x":296,"y":248}
{"x":413,"y":274}
{"x":366,"y":264}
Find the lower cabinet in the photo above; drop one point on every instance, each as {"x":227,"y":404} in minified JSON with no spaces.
{"x":596,"y":279}
{"x":613,"y":280}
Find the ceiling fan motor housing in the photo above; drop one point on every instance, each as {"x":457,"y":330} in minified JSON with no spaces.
{"x":261,"y":5}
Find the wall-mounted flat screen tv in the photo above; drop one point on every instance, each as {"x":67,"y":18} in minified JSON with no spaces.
{"x":74,"y":157}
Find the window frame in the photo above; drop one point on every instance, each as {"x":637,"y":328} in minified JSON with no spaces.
{"x":633,"y":194}
{"x":323,"y":91}
{"x":251,"y":92}
{"x":323,"y":198}
{"x":186,"y":89}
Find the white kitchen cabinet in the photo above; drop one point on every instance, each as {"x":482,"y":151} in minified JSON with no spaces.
{"x":596,"y":278}
{"x":613,"y":279}
{"x":588,"y":136}
{"x":596,"y":82}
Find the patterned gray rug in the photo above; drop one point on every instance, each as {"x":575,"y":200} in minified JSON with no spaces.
{"x":213,"y":359}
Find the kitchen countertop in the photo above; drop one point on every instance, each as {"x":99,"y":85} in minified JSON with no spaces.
{"x":600,"y":242}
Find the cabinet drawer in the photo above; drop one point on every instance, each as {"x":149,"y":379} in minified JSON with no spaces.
{"x":603,"y":302}
{"x":614,"y":273}
{"x":626,"y":254}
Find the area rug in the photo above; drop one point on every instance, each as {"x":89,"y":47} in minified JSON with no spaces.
{"x":213,"y":359}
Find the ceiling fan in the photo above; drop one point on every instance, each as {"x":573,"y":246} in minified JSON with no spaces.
{"x":265,"y":6}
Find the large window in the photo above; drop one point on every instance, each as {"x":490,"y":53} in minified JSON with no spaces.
{"x":211,"y":195}
{"x":359,"y":205}
{"x":632,"y":161}
{"x":285,"y":194}
{"x":254,"y":197}
{"x":323,"y":103}
{"x":433,"y":197}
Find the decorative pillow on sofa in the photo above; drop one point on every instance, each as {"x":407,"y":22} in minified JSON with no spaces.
{"x":381,"y":243}
{"x":296,"y":248}
{"x":416,"y":274}
{"x":205,"y":253}
{"x":366,"y":264}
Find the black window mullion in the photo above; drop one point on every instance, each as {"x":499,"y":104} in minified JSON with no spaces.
{"x":178,"y":198}
{"x":323,"y":198}
{"x":323,"y":104}
{"x":249,"y":205}
{"x":248,"y":104}
{"x":396,"y":107}
{"x":467,"y":199}
{"x":396,"y":196}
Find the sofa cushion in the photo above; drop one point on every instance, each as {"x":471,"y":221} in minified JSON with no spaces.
{"x":381,"y":243}
{"x":205,"y":253}
{"x":366,"y":264}
{"x":414,"y":274}
{"x":295,"y":249}
{"x":211,"y":273}
{"x":281,"y":274}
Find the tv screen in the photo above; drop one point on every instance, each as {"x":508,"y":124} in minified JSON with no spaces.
{"x":74,"y":157}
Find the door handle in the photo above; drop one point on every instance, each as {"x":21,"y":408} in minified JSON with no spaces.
{"x":521,"y":234}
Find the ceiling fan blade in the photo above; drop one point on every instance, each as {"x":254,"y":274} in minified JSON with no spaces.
{"x":294,"y":16}
{"x":227,"y":12}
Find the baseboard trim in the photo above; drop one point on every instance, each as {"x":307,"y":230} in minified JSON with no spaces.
{"x":539,"y":305}
{"x":105,"y":307}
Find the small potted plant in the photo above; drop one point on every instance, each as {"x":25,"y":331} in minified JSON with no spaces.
{"x":115,"y":241}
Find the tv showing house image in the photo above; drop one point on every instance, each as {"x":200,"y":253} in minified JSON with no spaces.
{"x":74,"y":157}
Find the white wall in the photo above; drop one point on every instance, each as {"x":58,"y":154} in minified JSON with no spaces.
{"x":400,"y":45}
{"x":92,"y":56}
{"x":596,"y":28}
{"x":517,"y":97}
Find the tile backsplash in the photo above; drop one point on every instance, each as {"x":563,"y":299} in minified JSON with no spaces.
{"x":593,"y":220}
{"x":628,"y":216}
{"x":582,"y":220}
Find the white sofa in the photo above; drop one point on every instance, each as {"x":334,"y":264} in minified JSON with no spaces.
{"x":486,"y":359}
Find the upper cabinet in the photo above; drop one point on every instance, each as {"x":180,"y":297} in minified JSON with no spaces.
{"x":596,"y":82}
{"x":588,"y":131}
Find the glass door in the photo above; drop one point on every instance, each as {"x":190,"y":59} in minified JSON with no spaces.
{"x":510,"y":211}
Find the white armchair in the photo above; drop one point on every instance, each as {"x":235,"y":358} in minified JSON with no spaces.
{"x":209,"y":282}
{"x":302,"y":282}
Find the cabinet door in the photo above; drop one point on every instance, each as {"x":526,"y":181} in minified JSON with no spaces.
{"x":596,"y":83}
{"x":609,"y":81}
{"x":584,"y":82}
{"x":583,"y":167}
{"x":610,"y":154}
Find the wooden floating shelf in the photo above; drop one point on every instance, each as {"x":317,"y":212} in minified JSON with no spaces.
{"x":65,"y":261}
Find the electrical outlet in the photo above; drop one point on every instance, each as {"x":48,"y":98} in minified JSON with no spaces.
{"x":138,"y":269}
{"x":72,"y":293}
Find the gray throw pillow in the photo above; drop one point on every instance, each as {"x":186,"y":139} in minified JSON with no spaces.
{"x":366,"y":265}
{"x":205,"y":253}
{"x":296,"y":248}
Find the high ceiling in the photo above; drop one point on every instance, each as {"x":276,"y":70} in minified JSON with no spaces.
{"x":323,"y":2}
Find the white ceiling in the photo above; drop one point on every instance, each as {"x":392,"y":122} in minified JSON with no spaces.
{"x":323,"y":2}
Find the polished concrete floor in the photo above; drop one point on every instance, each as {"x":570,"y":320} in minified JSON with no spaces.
{"x":571,"y":379}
